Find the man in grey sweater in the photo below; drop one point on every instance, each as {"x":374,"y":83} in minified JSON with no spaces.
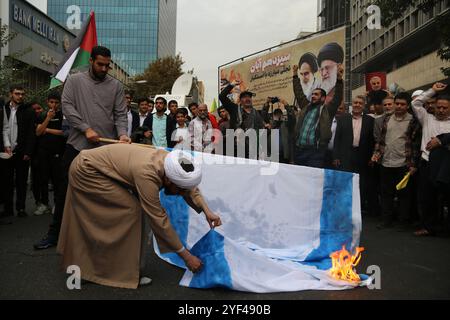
{"x":94,"y":105}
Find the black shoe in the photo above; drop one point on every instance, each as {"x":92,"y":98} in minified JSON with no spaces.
{"x":22,"y":214}
{"x":45,"y":244}
{"x":5,"y":223}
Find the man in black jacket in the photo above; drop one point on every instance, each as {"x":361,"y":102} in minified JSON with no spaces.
{"x":353,"y":147}
{"x":2,"y":149}
{"x":162,"y":132}
{"x":132,"y":116}
{"x":19,"y":139}
{"x":243,"y":116}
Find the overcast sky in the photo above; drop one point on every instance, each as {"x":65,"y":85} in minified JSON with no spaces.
{"x":214,"y":32}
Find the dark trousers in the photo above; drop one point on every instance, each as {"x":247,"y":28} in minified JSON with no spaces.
{"x":370,"y":202}
{"x":428,"y":198}
{"x":389,"y":178}
{"x":49,"y":169}
{"x":328,"y":163}
{"x":15,"y":175}
{"x":373,"y":180}
{"x":35,"y":179}
{"x":60,"y":195}
{"x":2,"y":184}
{"x":310,"y":157}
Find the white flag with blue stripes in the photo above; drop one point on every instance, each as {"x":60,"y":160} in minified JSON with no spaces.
{"x":280,"y":224}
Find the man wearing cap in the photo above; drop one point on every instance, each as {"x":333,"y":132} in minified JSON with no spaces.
{"x":111,"y":190}
{"x":242,"y":116}
{"x":330,"y":57}
{"x":308,"y":68}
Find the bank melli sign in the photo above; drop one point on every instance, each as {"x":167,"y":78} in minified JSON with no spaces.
{"x":33,"y":23}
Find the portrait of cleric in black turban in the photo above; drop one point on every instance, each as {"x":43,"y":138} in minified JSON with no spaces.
{"x":308,"y":68}
{"x":329,"y":58}
{"x":321,"y":71}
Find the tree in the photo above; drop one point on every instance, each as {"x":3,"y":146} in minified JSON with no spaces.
{"x":394,"y":9}
{"x":159,"y":76}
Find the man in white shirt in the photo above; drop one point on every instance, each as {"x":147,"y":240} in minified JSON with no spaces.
{"x":19,"y":140}
{"x":201,"y":131}
{"x":181,"y":136}
{"x":433,"y":125}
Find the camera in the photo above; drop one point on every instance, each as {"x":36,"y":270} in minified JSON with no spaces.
{"x":274,"y":99}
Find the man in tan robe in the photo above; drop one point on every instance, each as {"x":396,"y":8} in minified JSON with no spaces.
{"x":102,"y":228}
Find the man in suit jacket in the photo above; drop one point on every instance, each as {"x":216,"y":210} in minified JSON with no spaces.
{"x":132,"y":116}
{"x":19,"y":139}
{"x":353,"y":147}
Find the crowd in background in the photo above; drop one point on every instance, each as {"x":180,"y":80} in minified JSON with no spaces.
{"x":383,"y":137}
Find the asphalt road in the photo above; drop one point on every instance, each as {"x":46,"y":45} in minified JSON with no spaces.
{"x":411,"y":268}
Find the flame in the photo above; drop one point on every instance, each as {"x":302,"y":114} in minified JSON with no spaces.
{"x":344,"y":263}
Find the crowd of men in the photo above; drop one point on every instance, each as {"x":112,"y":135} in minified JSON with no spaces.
{"x":382,"y":137}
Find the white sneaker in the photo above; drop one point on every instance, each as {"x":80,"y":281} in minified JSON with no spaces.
{"x":47,"y":210}
{"x":145,"y":281}
{"x":39,"y":210}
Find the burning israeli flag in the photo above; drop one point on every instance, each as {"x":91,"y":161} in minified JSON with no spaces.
{"x":279,"y":231}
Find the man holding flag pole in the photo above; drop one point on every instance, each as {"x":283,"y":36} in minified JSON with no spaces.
{"x":94,"y":105}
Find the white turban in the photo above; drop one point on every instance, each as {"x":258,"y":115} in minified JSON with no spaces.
{"x":176,"y":174}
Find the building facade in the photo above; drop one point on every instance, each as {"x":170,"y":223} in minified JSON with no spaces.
{"x":167,"y":28}
{"x":406,"y":50}
{"x":39,"y":44}
{"x":137,"y":31}
{"x":332,"y":14}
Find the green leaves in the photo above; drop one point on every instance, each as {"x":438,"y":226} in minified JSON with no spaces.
{"x":160,"y":76}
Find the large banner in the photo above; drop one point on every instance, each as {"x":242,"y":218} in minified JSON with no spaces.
{"x":270,"y":74}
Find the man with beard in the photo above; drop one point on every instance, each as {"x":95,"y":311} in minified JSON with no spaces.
{"x":313,"y":125}
{"x":19,"y":141}
{"x":434,"y":125}
{"x":397,"y":153}
{"x":308,"y":68}
{"x":376,"y":95}
{"x":243,"y":117}
{"x":160,"y":125}
{"x":431,"y":105}
{"x":330,"y":57}
{"x":94,"y":104}
{"x":103,"y":226}
{"x":201,"y":130}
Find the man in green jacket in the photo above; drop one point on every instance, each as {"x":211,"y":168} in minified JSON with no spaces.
{"x":313,"y":125}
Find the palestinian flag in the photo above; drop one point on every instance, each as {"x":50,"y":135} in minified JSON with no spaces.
{"x":79,"y":53}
